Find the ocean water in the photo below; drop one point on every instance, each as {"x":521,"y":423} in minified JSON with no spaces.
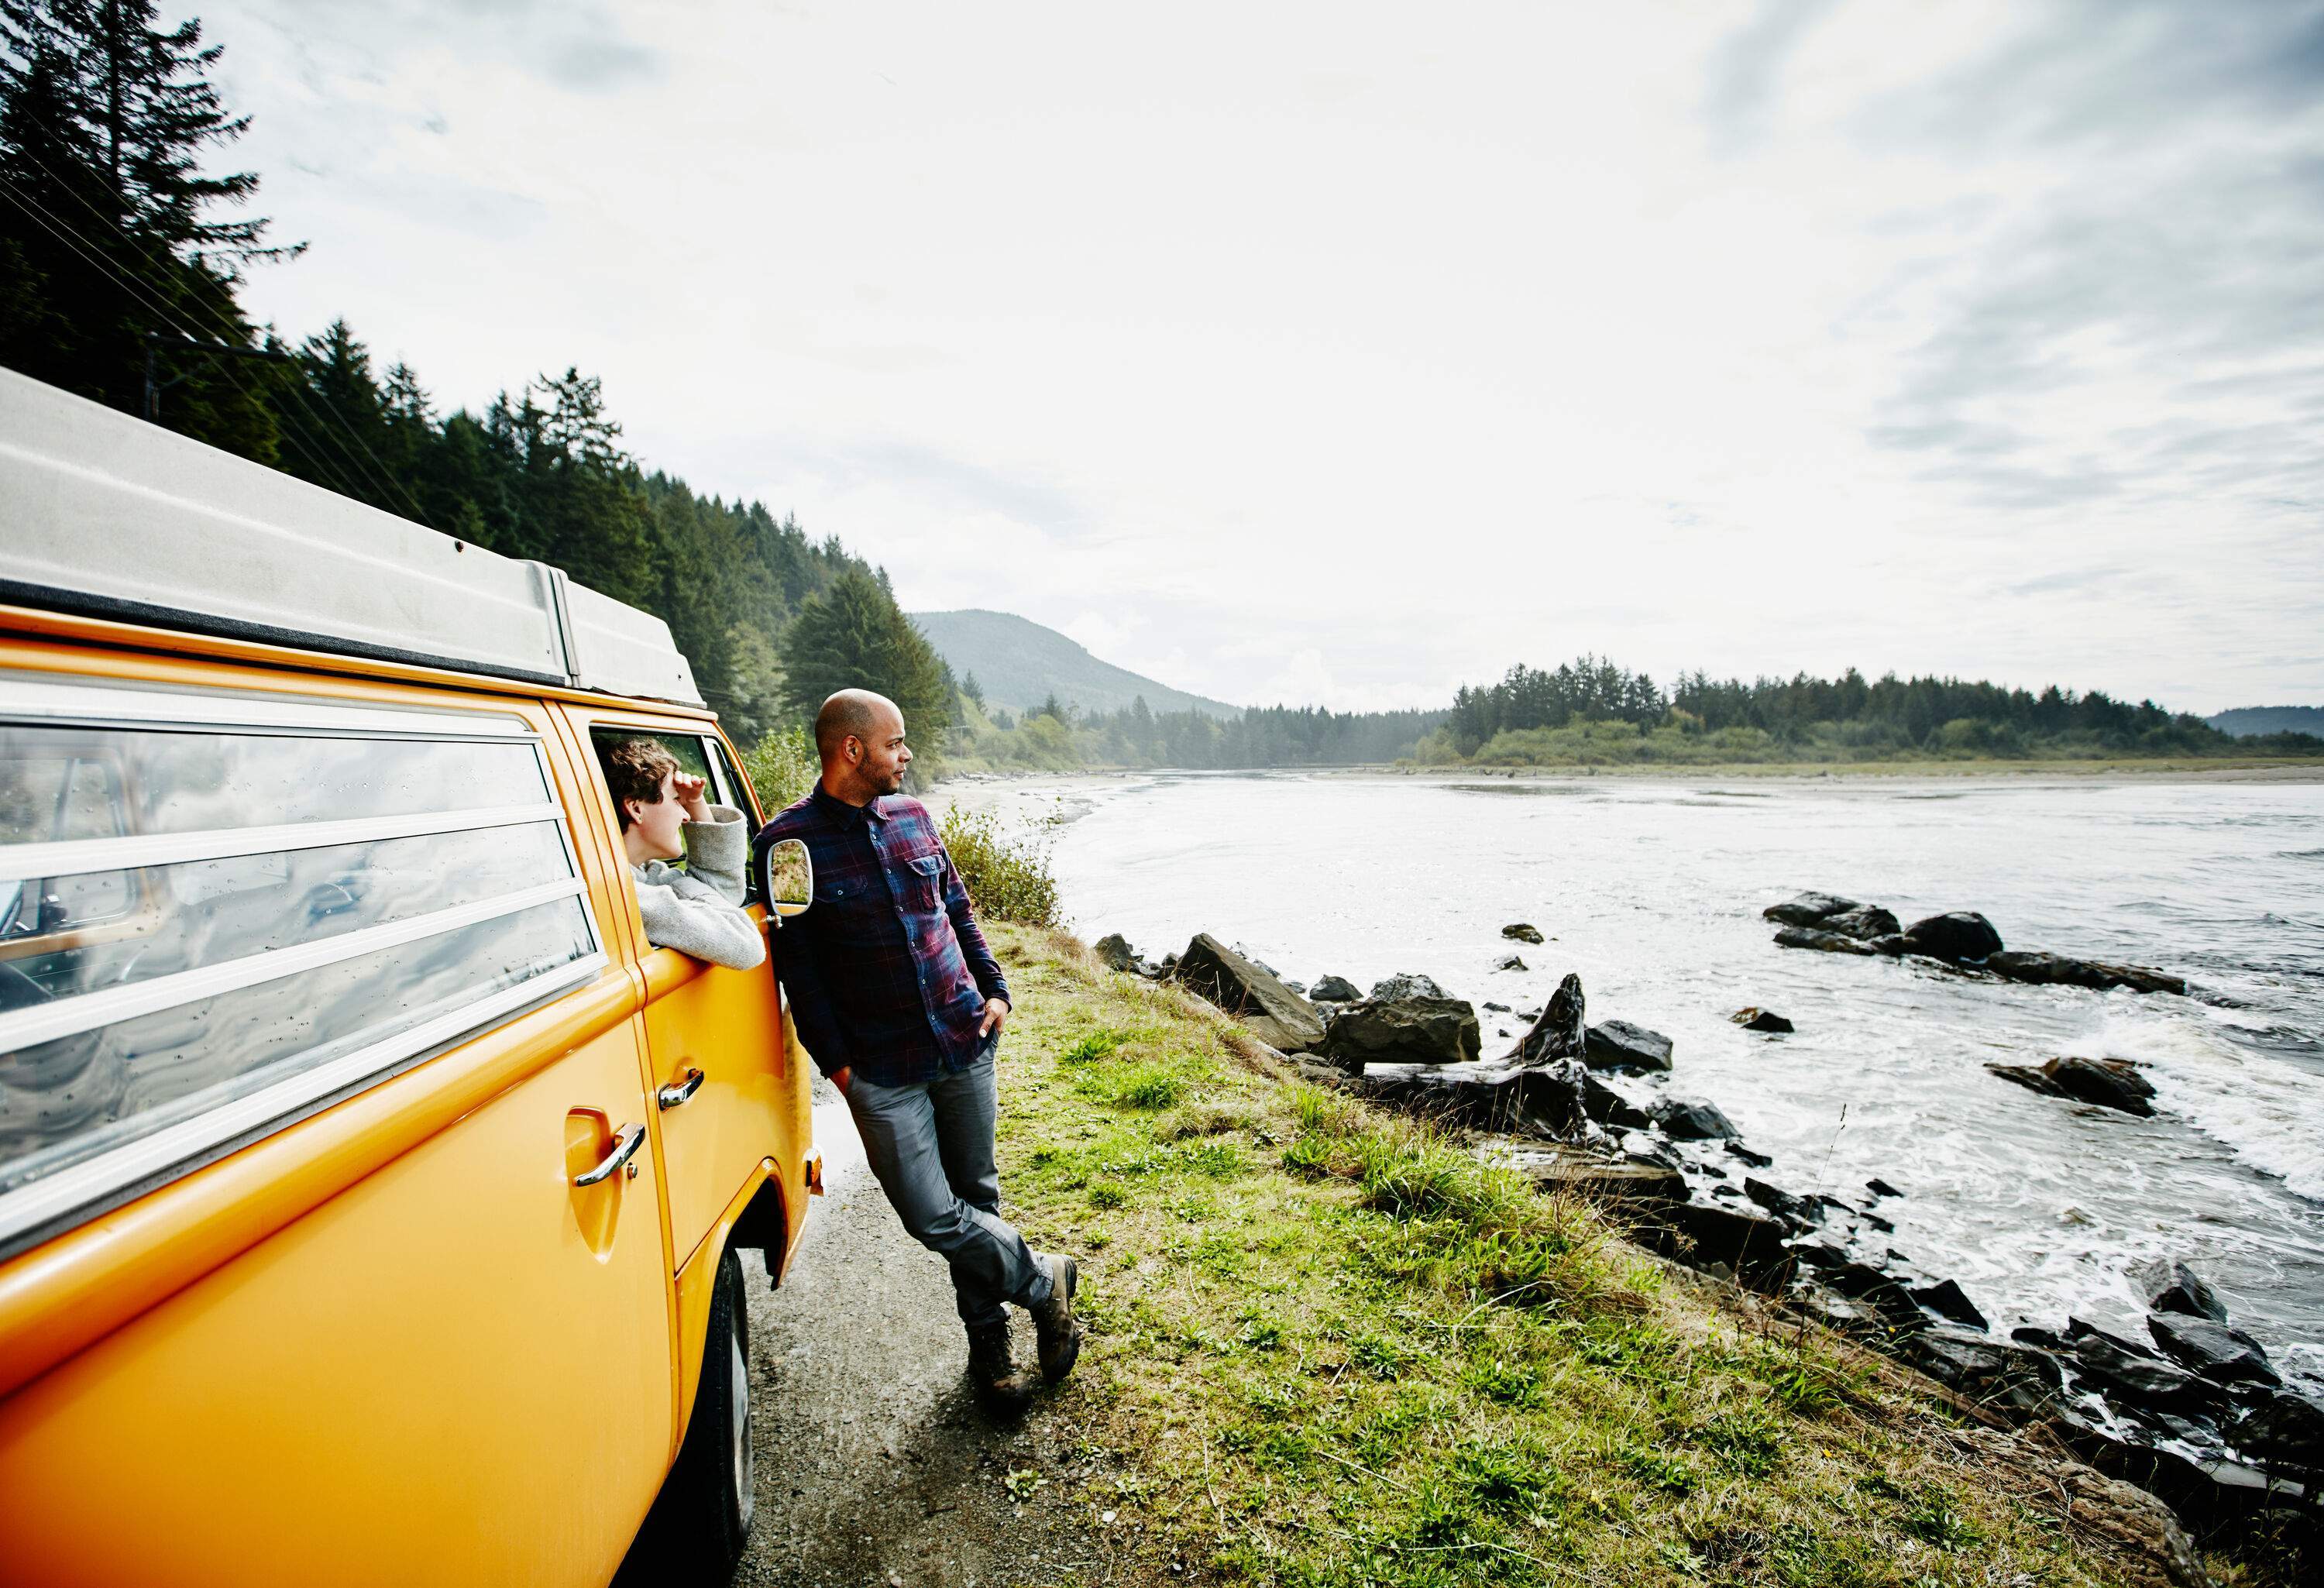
{"x":1652,"y":891}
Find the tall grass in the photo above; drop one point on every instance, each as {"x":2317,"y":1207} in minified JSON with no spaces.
{"x":1007,"y":873}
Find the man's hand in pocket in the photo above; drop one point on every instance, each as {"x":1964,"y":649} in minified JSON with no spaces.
{"x":996,"y":1015}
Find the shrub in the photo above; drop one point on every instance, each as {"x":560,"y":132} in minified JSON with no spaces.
{"x":782,"y":767}
{"x":1007,"y":875}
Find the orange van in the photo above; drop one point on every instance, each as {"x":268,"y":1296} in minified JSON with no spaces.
{"x":371,"y":1192}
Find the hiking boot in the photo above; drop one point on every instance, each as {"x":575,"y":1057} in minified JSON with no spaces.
{"x":992,"y":1365}
{"x":1059,"y":1331}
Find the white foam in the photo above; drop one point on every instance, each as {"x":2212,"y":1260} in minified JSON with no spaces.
{"x":2261,"y":1108}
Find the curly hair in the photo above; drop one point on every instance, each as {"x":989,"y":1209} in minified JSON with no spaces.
{"x":634,"y":770}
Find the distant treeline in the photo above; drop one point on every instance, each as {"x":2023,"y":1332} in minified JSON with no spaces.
{"x":1055,"y":738}
{"x":1593,"y":711}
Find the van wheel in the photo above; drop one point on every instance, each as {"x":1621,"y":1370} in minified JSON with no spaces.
{"x":702,"y":1517}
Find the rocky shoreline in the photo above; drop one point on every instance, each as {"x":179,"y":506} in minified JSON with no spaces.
{"x":2196,"y":1413}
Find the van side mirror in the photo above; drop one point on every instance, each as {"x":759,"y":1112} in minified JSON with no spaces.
{"x":790,"y":878}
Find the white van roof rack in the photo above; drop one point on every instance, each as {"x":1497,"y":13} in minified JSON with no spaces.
{"x":106,"y":515}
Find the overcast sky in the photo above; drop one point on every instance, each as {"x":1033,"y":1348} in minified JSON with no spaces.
{"x":1343,"y":353}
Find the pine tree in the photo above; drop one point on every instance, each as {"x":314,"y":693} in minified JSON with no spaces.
{"x":854,"y":636}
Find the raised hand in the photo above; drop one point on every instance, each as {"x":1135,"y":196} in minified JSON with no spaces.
{"x":687,"y":790}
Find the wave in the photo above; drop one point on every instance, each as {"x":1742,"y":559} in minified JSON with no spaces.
{"x":2260,"y":1108}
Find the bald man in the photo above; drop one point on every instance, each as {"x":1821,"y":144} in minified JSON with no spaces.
{"x":902,"y":1004}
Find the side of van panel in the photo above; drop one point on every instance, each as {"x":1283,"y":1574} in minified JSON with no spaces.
{"x":385,"y":1338}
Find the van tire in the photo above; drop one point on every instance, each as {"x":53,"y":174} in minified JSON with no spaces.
{"x":695,"y":1534}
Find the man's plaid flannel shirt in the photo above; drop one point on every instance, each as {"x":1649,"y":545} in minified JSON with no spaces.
{"x":886,"y":971}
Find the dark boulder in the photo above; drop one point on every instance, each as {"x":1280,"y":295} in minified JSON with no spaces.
{"x":1526,"y":1100}
{"x":1948,"y":1301}
{"x":1879,"y":1290}
{"x":1509,"y":962}
{"x":2284,"y":1430}
{"x":1582,"y":1172}
{"x":1272,"y":1011}
{"x":1496,"y":1008}
{"x":2055,"y":970}
{"x":1610,"y":1106}
{"x":1895,"y":945}
{"x":1822,"y":941}
{"x":1961,"y":935}
{"x":2136,"y":1375}
{"x":1114,"y":952}
{"x":1993,"y":1372}
{"x":1879,"y":1187}
{"x":1520,"y":932}
{"x":1748,"y":1243}
{"x":1688,"y":1119}
{"x":1756,"y":1158}
{"x":1866,"y":921}
{"x":2110,"y":1083}
{"x":1407,"y":984}
{"x":1557,"y":1033}
{"x":1618,"y":1045}
{"x":1333,"y":989}
{"x":1794,"y":1213}
{"x":1806,"y":909}
{"x":2215,"y":1350}
{"x":1752,"y":1018}
{"x":2166,"y":1284}
{"x":1402,"y":1031}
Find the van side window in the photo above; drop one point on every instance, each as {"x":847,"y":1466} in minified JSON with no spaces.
{"x":206,"y":931}
{"x":702,"y":757}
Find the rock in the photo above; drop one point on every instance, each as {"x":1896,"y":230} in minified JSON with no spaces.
{"x":1879,"y":1187}
{"x":2110,"y":1082}
{"x":1509,"y":962}
{"x":1519,"y":932}
{"x":1796,"y":1212}
{"x":1273,"y":1013}
{"x":1881,"y":1291}
{"x":1114,"y":952}
{"x":1582,"y":1173}
{"x":2136,"y":1375}
{"x":1757,"y":1160}
{"x":1946,"y":1299}
{"x":2166,"y":1284}
{"x":1866,"y":921}
{"x":1895,"y":945}
{"x":1618,"y":1045}
{"x":1610,"y":1106}
{"x":1806,"y":909}
{"x":1752,"y":1018}
{"x":2284,"y":1430}
{"x":1557,"y":1033}
{"x":1522,"y":1100}
{"x":1816,"y":939}
{"x":2210,"y":1350}
{"x":2055,"y":970}
{"x":1407,"y":984}
{"x":1961,"y":934}
{"x":1993,"y":1372}
{"x":1413,"y":1030}
{"x":2134,"y":1525}
{"x":1333,"y":989}
{"x":1496,"y":1008}
{"x":1749,"y":1243}
{"x":1687,"y":1119}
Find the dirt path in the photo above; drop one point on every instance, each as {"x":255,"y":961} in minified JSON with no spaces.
{"x":875,"y":1463}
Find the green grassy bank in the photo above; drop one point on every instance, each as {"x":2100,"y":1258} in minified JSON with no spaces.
{"x":1328,"y":1348}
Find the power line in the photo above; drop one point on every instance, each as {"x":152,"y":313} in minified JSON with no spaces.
{"x":379,"y":472}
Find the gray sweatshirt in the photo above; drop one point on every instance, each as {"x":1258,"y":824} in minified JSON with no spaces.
{"x":699,"y":910}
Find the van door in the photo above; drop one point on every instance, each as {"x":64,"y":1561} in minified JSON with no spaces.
{"x":724,"y":1025}
{"x":310,"y":1047}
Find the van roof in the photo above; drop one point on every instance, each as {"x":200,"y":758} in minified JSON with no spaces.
{"x":103,"y":514}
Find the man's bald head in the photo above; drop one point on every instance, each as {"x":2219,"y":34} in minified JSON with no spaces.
{"x":861,"y":714}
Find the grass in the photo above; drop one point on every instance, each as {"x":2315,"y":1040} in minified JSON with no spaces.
{"x":1328,"y":1348}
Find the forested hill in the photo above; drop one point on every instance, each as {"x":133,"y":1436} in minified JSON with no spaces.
{"x":2248,"y":721}
{"x":1018,"y":665}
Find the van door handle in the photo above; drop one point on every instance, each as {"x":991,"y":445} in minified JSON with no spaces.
{"x":679,"y":1091}
{"x":626,"y":1143}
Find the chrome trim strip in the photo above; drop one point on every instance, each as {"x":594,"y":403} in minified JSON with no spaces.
{"x":72,"y":857}
{"x":82,"y":703}
{"x":69,"y":1017}
{"x":55,"y":1197}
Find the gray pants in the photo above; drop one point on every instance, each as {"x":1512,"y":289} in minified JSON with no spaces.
{"x":930,"y":1146}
